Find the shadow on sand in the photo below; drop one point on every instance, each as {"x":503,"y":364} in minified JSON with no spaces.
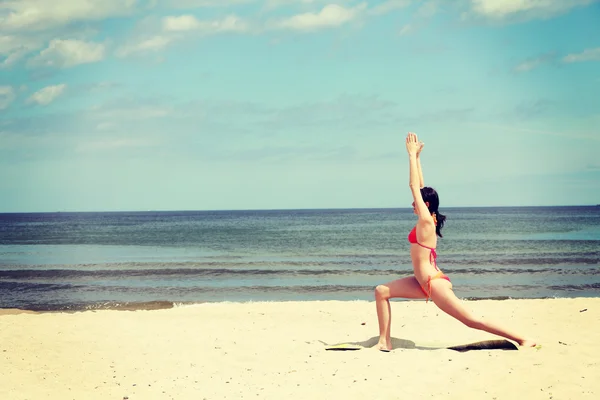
{"x":500,"y":344}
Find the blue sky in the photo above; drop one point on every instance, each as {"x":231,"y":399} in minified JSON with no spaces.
{"x":275,"y":104}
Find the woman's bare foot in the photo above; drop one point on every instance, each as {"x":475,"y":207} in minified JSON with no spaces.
{"x":384,"y":346}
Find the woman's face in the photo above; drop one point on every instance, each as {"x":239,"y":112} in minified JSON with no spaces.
{"x":415,"y":208}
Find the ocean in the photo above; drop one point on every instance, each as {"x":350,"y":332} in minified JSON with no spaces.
{"x":147,"y":260}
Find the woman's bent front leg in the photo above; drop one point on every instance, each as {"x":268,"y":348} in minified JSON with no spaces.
{"x":407,"y":288}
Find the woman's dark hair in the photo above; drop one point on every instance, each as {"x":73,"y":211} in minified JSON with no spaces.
{"x":430,"y":195}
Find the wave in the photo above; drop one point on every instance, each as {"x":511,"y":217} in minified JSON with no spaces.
{"x":15,"y":287}
{"x":586,"y":286}
{"x":316,"y":261}
{"x":315,"y":293}
{"x":103,"y":305}
{"x":62,"y":274}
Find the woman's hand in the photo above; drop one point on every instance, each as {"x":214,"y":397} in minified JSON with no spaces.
{"x":413,"y":147}
{"x":421,"y":145}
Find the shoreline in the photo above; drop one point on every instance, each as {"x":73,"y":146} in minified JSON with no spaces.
{"x":272,"y":350}
{"x":166,"y":305}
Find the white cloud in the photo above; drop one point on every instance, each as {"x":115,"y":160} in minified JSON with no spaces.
{"x":406,"y":29}
{"x":157,"y":36}
{"x":579,"y":134}
{"x":27,"y":25}
{"x":428,"y":10}
{"x":103,"y":85}
{"x":105,"y":126}
{"x":420,"y":18}
{"x":184,"y":23}
{"x":116,"y":143}
{"x":586,"y":55}
{"x":13,"y":48}
{"x":36,"y":15}
{"x":203,"y":3}
{"x":270,"y":4}
{"x":126,"y":112}
{"x":47,"y":95}
{"x":7,"y":96}
{"x":499,"y":9}
{"x":527,"y":65}
{"x":176,"y":28}
{"x":535,"y":62}
{"x":551,"y":58}
{"x":388,"y":6}
{"x":330,"y":16}
{"x":68,"y":53}
{"x":145,"y":45}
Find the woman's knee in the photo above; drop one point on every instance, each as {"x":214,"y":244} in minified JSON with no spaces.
{"x":382,"y":292}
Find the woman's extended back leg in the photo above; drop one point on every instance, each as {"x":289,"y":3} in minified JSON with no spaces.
{"x":443,"y":296}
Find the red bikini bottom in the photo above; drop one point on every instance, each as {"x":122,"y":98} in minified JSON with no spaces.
{"x":439,"y":275}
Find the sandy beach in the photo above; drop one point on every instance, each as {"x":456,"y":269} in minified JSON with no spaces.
{"x":272,"y":350}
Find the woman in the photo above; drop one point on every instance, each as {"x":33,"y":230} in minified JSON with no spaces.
{"x":428,"y":281}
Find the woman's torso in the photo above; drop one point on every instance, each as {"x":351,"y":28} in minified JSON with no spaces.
{"x":422,"y":253}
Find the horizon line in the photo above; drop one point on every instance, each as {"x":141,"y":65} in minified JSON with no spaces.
{"x":285,"y":209}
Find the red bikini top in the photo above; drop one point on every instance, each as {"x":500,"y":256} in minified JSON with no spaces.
{"x":412,"y":238}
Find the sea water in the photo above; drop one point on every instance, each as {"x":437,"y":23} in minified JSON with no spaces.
{"x":73,"y":261}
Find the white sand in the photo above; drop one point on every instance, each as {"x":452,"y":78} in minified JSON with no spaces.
{"x":275,"y":351}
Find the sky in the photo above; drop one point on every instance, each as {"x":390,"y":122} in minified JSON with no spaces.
{"x":127,"y":105}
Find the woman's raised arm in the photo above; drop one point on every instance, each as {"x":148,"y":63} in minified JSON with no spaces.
{"x":421,"y":181}
{"x":415,"y":180}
